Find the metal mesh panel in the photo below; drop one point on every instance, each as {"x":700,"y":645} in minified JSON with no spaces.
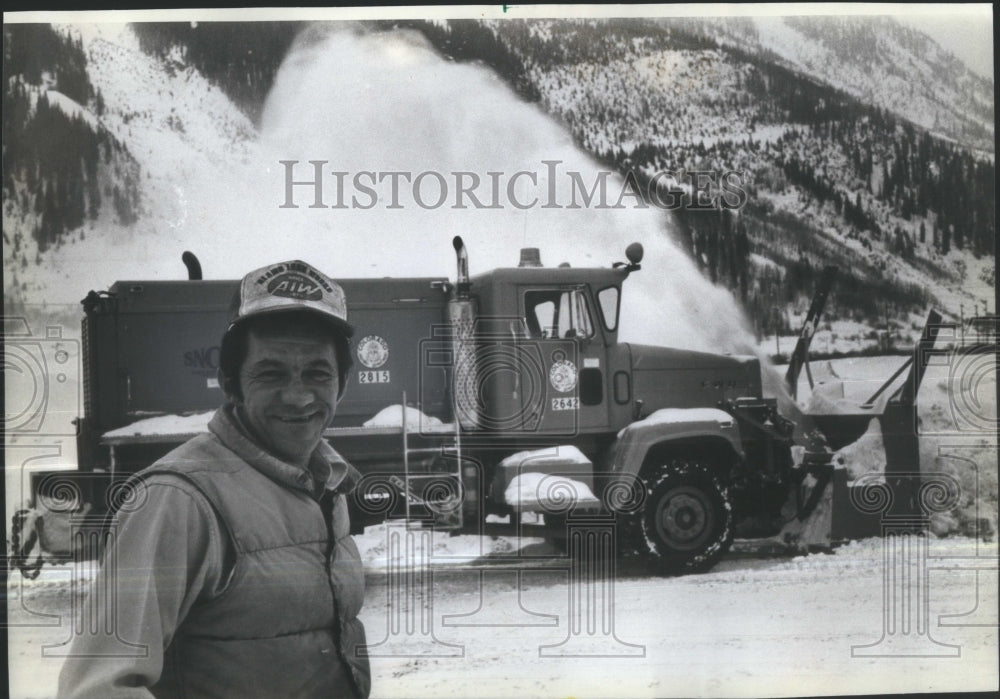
{"x":466,"y":383}
{"x":89,"y":394}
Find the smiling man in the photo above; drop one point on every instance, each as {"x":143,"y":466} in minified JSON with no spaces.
{"x":237,"y":576}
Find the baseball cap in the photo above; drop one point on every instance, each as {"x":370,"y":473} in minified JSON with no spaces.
{"x":290,"y":286}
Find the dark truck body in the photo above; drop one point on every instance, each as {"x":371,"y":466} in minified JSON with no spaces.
{"x":514,"y":360}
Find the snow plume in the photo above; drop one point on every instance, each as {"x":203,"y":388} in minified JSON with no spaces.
{"x":380,"y":102}
{"x":387,"y":102}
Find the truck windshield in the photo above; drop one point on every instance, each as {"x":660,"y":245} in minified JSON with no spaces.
{"x":558,"y":313}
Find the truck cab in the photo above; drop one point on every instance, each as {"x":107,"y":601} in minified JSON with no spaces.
{"x":548,"y":355}
{"x":550,"y":362}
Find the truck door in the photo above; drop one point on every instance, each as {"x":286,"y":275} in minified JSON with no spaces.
{"x":563,"y":331}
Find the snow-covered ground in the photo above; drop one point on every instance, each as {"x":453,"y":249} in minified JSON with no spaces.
{"x":808,"y":625}
{"x":752,"y":626}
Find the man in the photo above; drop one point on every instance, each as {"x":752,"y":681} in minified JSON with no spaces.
{"x":234,"y":567}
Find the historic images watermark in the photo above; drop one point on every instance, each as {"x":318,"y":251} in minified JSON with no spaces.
{"x":431,"y":499}
{"x":41,"y":375}
{"x":449,"y":486}
{"x":315,"y":184}
{"x":909,"y":565}
{"x":909,"y":495}
{"x":966,"y":363}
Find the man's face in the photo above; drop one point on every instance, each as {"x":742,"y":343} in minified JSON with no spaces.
{"x":289,"y":383}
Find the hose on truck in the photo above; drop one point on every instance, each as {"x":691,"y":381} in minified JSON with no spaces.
{"x":21,"y":552}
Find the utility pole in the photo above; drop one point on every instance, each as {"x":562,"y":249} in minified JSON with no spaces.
{"x":777,"y":331}
{"x":888,"y":337}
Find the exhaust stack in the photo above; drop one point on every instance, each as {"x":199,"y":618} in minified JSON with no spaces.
{"x":462,"y":316}
{"x":462,"y":276}
{"x":193,"y":265}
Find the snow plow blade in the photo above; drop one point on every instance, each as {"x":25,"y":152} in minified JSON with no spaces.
{"x":824,"y":501}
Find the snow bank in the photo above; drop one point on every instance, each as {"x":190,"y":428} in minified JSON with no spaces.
{"x":668,"y":416}
{"x":550,"y":456}
{"x":164,"y":425}
{"x":192,"y":424}
{"x":380,"y":546}
{"x":546,"y":492}
{"x":866,"y":455}
{"x":70,"y":107}
{"x":828,"y":399}
{"x":416,"y":421}
{"x":539,"y":480}
{"x":393,"y":545}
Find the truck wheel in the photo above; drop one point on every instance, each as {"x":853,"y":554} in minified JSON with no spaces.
{"x":687,"y":522}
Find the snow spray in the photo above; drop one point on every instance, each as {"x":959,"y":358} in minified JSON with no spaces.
{"x":386,"y":102}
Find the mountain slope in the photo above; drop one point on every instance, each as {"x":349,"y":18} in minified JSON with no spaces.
{"x":64,"y":169}
{"x":831,"y":174}
{"x":830,"y":178}
{"x":149,"y":132}
{"x":875,"y":59}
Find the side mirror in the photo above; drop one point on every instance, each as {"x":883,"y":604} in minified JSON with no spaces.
{"x":634,"y":254}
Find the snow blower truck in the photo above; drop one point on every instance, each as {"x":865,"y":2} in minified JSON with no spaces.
{"x":499,"y":404}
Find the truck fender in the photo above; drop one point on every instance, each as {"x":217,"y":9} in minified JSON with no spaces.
{"x":687,"y":426}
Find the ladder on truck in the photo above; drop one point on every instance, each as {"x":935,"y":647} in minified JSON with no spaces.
{"x":434,"y":497}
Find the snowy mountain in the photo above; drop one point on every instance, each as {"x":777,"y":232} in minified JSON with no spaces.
{"x":862,"y":144}
{"x":127,"y":144}
{"x":877,"y":60}
{"x":211,"y":181}
{"x":834,"y":175}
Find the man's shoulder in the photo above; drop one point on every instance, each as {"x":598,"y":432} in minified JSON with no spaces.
{"x":201,"y":454}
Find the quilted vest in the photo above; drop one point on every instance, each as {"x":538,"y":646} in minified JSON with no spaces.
{"x":286,"y":624}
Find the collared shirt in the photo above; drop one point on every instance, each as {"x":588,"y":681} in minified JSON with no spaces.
{"x":176,"y":535}
{"x":326,"y":469}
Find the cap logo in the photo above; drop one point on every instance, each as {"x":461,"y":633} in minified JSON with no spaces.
{"x":295,"y":286}
{"x":290,"y":286}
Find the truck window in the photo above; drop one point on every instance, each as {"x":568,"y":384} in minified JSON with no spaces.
{"x":578,"y":318}
{"x":541,"y":319}
{"x":558,"y":313}
{"x":608,"y":298}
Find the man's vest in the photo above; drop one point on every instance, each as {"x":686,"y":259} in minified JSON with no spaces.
{"x":286,"y":624}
